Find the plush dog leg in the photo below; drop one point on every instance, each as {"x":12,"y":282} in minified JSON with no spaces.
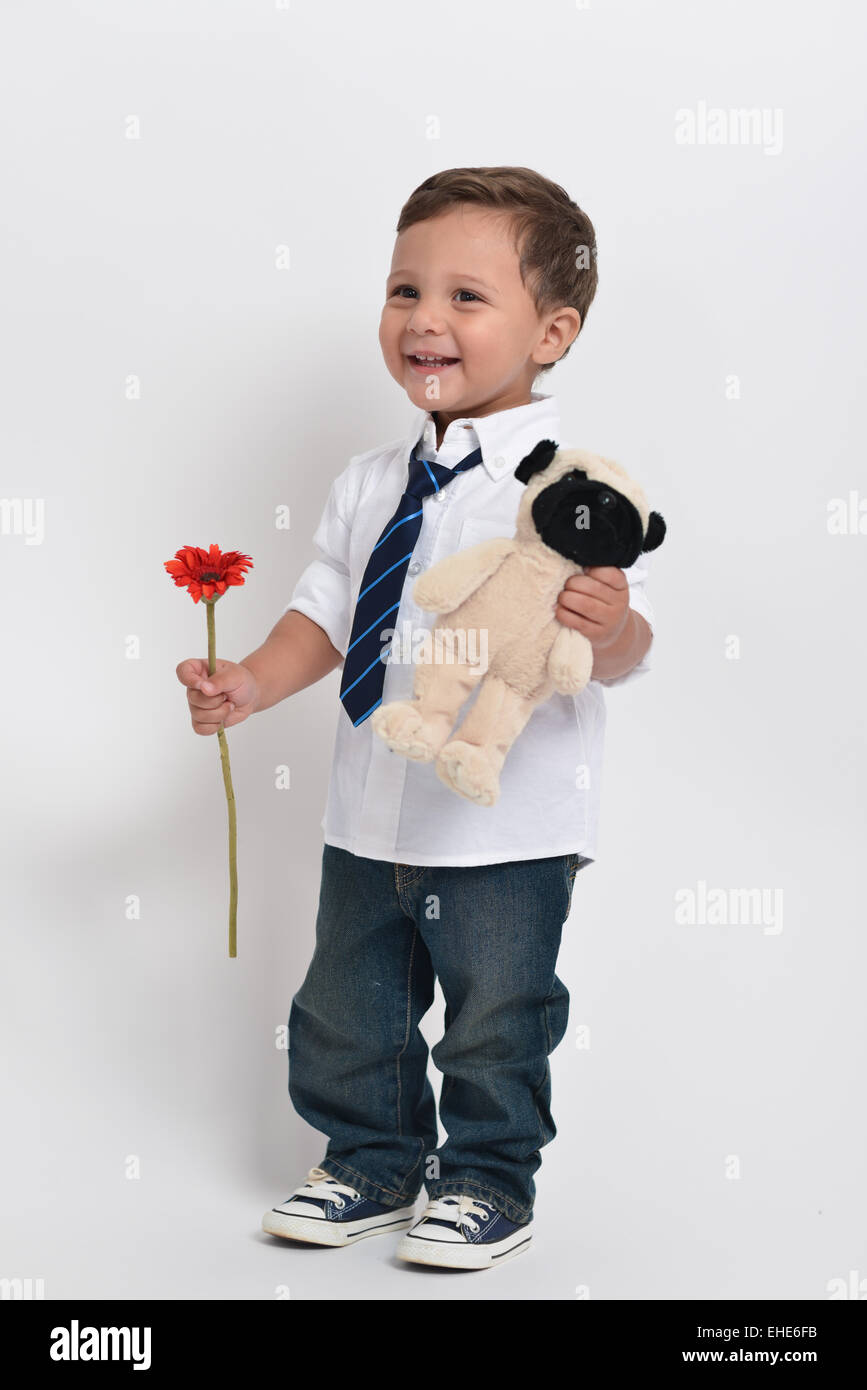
{"x":418,"y":728}
{"x":470,"y":763}
{"x":401,"y":724}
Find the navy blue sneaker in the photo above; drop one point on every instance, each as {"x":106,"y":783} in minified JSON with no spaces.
{"x":463,"y":1233}
{"x":324,"y":1211}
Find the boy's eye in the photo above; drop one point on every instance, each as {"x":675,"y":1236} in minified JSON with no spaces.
{"x":402,"y":290}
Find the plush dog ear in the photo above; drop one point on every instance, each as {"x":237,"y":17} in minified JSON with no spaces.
{"x":536,"y":461}
{"x":655,"y":532}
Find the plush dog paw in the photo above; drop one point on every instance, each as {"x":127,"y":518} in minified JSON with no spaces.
{"x":401,"y":726}
{"x":570,"y":663}
{"x":466,"y":769}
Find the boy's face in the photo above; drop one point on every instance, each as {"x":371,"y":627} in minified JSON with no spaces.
{"x":455,"y":291}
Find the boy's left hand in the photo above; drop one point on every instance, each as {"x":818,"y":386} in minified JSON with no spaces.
{"x":596,"y":603}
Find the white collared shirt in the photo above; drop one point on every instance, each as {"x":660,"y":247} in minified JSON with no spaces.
{"x":380,"y":804}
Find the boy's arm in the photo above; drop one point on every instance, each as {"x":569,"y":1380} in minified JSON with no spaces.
{"x":311,"y":637}
{"x":629,"y":655}
{"x":626,"y":652}
{"x":295,"y":654}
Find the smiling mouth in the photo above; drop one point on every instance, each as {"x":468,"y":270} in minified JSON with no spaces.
{"x":430,"y":364}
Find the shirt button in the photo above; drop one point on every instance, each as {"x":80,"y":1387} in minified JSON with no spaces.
{"x":499,"y":460}
{"x":414,"y":567}
{"x":440,"y":496}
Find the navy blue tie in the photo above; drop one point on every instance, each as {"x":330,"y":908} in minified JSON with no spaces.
{"x":382,"y":586}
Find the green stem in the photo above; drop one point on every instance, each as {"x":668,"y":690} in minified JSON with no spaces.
{"x":230,"y":796}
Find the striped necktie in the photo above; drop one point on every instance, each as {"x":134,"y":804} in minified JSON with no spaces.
{"x":382,"y":585}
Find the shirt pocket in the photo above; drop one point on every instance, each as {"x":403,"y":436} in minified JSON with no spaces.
{"x":477,"y":529}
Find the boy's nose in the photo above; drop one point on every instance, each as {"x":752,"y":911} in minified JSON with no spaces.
{"x":424,"y":318}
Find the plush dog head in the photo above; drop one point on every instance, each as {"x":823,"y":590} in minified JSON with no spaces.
{"x":584,"y":507}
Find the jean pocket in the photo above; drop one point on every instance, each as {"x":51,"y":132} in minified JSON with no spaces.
{"x":572,"y":863}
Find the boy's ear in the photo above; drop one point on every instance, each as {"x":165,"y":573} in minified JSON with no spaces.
{"x":537,"y":460}
{"x":655,"y":532}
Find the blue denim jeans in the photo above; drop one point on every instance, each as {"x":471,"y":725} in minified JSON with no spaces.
{"x":358,"y":1062}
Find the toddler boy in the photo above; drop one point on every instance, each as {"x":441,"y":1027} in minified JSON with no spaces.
{"x":492,"y":275}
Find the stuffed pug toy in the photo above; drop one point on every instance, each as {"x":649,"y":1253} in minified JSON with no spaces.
{"x":577,"y":510}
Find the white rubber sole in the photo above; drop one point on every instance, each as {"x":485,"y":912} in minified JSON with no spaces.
{"x":424,"y":1251}
{"x":317,"y":1231}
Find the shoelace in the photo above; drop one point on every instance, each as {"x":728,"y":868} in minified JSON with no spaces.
{"x":459,"y":1209}
{"x":321,"y":1184}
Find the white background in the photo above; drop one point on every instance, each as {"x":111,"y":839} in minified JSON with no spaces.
{"x":712,"y":1138}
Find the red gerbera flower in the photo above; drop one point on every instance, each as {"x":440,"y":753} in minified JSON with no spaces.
{"x":206,"y":573}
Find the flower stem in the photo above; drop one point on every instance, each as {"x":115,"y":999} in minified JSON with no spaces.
{"x":230,"y":797}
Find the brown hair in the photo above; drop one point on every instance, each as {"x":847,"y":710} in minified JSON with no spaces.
{"x":554,"y":239}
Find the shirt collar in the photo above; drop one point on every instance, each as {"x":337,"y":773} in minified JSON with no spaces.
{"x":505,"y":437}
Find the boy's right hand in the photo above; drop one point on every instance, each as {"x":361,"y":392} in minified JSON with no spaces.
{"x":227,"y":697}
